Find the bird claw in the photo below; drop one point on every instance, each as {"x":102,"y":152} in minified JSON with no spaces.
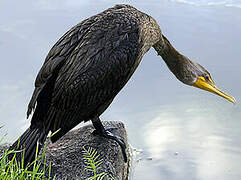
{"x":108,"y":129}
{"x":107,"y":134}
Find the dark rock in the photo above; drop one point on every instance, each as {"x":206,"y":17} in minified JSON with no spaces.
{"x":66,"y":155}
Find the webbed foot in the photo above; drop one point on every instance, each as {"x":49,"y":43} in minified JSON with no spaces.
{"x":101,"y":131}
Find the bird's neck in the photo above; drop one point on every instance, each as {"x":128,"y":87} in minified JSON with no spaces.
{"x":169,"y":54}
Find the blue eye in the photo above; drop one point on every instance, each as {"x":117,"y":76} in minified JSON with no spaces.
{"x":206,"y":77}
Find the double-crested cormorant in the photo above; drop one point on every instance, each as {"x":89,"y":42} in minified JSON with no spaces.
{"x":90,"y":64}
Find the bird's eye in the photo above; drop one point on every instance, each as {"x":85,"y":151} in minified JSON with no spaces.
{"x":206,"y":77}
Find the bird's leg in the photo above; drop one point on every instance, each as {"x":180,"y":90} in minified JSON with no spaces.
{"x":101,"y":131}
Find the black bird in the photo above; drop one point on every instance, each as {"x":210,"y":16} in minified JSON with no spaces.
{"x":87,"y":68}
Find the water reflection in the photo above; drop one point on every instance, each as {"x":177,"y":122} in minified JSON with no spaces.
{"x":194,"y":142}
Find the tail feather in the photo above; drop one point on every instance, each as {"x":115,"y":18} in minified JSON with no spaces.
{"x":27,"y":145}
{"x":31,"y":148}
{"x":30,"y":141}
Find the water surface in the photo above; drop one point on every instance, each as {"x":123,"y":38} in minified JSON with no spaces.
{"x":185,"y":133}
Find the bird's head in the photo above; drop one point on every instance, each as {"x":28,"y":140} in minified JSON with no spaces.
{"x":186,"y":70}
{"x":197,"y":76}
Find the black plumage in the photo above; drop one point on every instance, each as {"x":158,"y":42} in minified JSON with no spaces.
{"x":82,"y":74}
